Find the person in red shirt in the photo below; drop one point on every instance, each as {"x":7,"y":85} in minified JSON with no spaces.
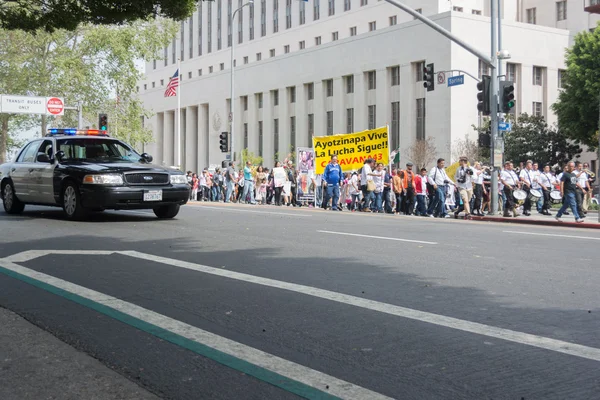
{"x":421,"y":192}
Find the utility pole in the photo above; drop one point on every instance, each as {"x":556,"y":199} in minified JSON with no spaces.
{"x":494,"y":106}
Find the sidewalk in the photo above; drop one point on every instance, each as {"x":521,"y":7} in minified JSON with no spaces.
{"x":34,"y":365}
{"x":590,"y":222}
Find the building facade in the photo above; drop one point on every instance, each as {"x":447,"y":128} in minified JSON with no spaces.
{"x":338,"y":66}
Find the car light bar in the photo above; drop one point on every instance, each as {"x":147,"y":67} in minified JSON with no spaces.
{"x":73,"y":132}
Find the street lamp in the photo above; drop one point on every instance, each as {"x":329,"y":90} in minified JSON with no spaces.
{"x":231,"y":113}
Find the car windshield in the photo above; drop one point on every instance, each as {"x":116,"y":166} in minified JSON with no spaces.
{"x":97,"y":151}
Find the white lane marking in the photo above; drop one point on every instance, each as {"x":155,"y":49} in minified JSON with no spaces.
{"x":33,"y":254}
{"x":253,"y":211}
{"x":377,"y":237}
{"x":289,"y":369}
{"x":553,"y":235}
{"x":559,"y":346}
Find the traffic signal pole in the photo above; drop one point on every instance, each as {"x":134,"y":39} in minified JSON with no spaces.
{"x":494,"y":108}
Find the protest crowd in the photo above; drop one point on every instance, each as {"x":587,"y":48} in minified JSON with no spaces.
{"x":375,"y":188}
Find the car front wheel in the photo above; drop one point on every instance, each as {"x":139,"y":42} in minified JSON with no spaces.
{"x":12,"y":205}
{"x":165,"y":212}
{"x":71,"y":200}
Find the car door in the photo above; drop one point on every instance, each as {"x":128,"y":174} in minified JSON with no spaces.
{"x":21,"y":170}
{"x":41,"y":187}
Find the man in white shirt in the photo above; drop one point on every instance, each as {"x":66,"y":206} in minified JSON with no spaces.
{"x":527,"y":179}
{"x":583,"y":187}
{"x":439,"y":179}
{"x":366,"y":176}
{"x":538,"y":186}
{"x":547,"y":181}
{"x":464,"y":182}
{"x":478,"y":188}
{"x":510,"y":182}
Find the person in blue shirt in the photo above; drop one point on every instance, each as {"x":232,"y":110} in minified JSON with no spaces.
{"x":333,"y":177}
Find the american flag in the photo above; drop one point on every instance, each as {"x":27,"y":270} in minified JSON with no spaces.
{"x":172,"y":86}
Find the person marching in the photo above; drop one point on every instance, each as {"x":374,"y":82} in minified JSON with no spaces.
{"x":568,"y":187}
{"x":527,"y":178}
{"x":408,"y":183}
{"x":547,"y":180}
{"x":463,"y":177}
{"x":510,"y":180}
{"x":439,"y":180}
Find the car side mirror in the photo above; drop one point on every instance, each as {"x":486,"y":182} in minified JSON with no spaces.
{"x":43,"y":158}
{"x":147,"y":157}
{"x":60,"y":155}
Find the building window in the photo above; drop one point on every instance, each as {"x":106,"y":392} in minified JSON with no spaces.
{"x":210,"y":69}
{"x":419,"y":10}
{"x":457,"y":9}
{"x":288,"y":14}
{"x":222,"y":66}
{"x":173,"y":51}
{"x":259,"y":100}
{"x":245,"y":59}
{"x":245,"y":103}
{"x":364,"y":2}
{"x":372,"y":116}
{"x":275,"y":16}
{"x":286,"y":48}
{"x":200,"y":72}
{"x":263,"y":17}
{"x":240,"y":23}
{"x":272,"y":52}
{"x":476,"y":12}
{"x":329,"y":123}
{"x":316,"y":10}
{"x":561,"y":10}
{"x":349,"y":120}
{"x":190,"y":75}
{"x":310,"y":91}
{"x":181,"y":47}
{"x":420,"y":74}
{"x":317,"y":40}
{"x":334,"y":36}
{"x":153,"y":85}
{"x":220,"y":24}
{"x":302,"y":13}
{"x":511,"y":72}
{"x":199,"y":28}
{"x":276,"y":137}
{"x":353,"y":31}
{"x":537,"y":76}
{"x":537,"y":109}
{"x":349,"y":83}
{"x":393,"y":20}
{"x":329,"y":87}
{"x":209,"y":28}
{"x":347,"y":5}
{"x":166,"y":56}
{"x":153,"y":64}
{"x":162,"y":82}
{"x":395,"y":133}
{"x":251,"y":23}
{"x":420,"y":119}
{"x":258,"y":56}
{"x":191,"y":37}
{"x":245,"y":135}
{"x":145,"y":86}
{"x":293,"y":133}
{"x":311,"y":128}
{"x":292,"y":92}
{"x":372,"y":26}
{"x":531,"y":16}
{"x":483,"y":69}
{"x":561,"y":74}
{"x":301,"y":45}
{"x":395,"y":75}
{"x":275,"y":97}
{"x":260,"y":138}
{"x":331,"y":7}
{"x":372,"y":76}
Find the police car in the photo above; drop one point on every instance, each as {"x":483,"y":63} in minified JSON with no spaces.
{"x":87,"y":170}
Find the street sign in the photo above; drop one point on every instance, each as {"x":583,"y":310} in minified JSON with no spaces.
{"x":31,"y":105}
{"x":441,"y":78}
{"x":504,"y":126}
{"x":456,"y":80}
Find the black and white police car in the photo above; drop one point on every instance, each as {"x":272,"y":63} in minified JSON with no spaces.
{"x":87,"y":170}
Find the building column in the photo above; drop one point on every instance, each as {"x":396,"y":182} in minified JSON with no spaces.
{"x":203,"y":135}
{"x":339,"y":113}
{"x":301,"y":116}
{"x":169,"y":138}
{"x":252,"y":125}
{"x":319,"y":109}
{"x":284,"y":123}
{"x":384,"y":108}
{"x":408,"y":106}
{"x":268,"y":148}
{"x":191,"y":138}
{"x":159,"y":133}
{"x":360,"y":104}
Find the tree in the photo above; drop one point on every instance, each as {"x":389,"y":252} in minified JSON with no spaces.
{"x":532,"y":139}
{"x":422,"y":153}
{"x":247,"y":155}
{"x":466,"y":147}
{"x":579,"y":99}
{"x":51,"y":15}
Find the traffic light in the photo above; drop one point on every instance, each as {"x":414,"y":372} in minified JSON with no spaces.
{"x":483,"y":95}
{"x":224,"y":142}
{"x":428,"y":72}
{"x":485,"y":138}
{"x":507,"y":96}
{"x":103,"y":122}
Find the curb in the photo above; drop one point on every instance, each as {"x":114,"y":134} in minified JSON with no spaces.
{"x":523,"y":221}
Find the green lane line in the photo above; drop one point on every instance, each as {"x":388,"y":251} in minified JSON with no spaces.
{"x":238,"y":364}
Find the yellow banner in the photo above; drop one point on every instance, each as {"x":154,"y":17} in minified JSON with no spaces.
{"x":352,"y":149}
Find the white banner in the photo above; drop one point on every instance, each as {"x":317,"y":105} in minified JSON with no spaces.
{"x":31,"y":105}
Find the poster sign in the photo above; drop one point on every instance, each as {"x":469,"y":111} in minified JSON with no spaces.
{"x":305,"y":188}
{"x":352,"y":149}
{"x":279,"y":176}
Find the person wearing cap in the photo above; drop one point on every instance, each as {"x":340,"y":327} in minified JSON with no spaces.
{"x":333,"y":176}
{"x":408,"y":183}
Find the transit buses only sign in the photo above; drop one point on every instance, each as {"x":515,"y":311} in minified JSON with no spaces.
{"x":10,"y":104}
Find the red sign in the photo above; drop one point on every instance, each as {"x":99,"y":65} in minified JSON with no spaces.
{"x":55,"y":106}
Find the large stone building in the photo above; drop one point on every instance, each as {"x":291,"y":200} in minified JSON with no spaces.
{"x":337,"y":66}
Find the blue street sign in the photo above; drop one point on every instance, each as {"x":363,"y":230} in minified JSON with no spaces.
{"x":505,"y":126}
{"x":456,"y":80}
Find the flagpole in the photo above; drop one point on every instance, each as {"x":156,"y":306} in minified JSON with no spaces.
{"x":388,"y":143}
{"x":179,"y":113}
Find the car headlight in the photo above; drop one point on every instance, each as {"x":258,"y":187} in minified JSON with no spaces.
{"x":103,"y":179}
{"x":178,"y":179}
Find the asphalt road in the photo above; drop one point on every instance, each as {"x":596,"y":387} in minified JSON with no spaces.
{"x":241,"y":302}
